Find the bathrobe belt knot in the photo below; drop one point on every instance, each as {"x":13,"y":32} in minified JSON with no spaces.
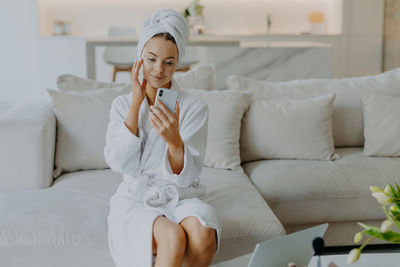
{"x":159,"y":193}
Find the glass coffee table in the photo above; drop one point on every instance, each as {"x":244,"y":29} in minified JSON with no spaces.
{"x":371,"y":259}
{"x":366,"y":260}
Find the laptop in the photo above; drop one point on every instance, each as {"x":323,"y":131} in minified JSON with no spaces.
{"x":295,"y":247}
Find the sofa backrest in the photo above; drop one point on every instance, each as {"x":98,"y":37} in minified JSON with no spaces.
{"x":347,"y":116}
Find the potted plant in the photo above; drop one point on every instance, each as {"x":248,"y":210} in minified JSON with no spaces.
{"x":194,"y":15}
{"x":389,"y":198}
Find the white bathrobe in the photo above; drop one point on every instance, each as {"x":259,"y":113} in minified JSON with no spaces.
{"x":149,"y":188}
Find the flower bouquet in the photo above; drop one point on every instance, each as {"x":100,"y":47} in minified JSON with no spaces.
{"x":389,"y":198}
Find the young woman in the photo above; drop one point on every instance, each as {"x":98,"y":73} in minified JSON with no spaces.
{"x":155,"y":213}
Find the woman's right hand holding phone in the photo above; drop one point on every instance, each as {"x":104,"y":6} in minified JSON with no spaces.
{"x":138,"y":90}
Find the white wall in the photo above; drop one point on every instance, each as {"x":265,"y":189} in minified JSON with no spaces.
{"x":19,"y":30}
{"x":18,"y":19}
{"x":392,"y":35}
{"x":59,"y":55}
{"x":363,"y":36}
{"x":29,"y":64}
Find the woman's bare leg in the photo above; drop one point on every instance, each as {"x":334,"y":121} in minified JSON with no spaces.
{"x":201,"y":243}
{"x":169,"y":240}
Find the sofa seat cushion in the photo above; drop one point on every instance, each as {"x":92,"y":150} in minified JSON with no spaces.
{"x":307,"y":191}
{"x":244,"y":212}
{"x":66,"y":224}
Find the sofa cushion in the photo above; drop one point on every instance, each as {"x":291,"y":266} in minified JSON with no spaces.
{"x":288,"y":129}
{"x":381,"y":125}
{"x":66,"y":224}
{"x":347,"y":112}
{"x":63,"y":225}
{"x":225,"y":112}
{"x":244,"y":212}
{"x":301,"y":191}
{"x":200,"y":77}
{"x":70,"y":82}
{"x":82,"y":119}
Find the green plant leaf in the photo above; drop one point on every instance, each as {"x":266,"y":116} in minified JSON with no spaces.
{"x":391,"y":236}
{"x":186,"y":13}
{"x":394,"y":192}
{"x":397,"y":187}
{"x":369,"y":227}
{"x":395,"y":213}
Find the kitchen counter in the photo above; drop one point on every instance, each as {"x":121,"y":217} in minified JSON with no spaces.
{"x":210,"y":40}
{"x":269,"y":61}
{"x":281,"y":44}
{"x":212,"y":49}
{"x":192,"y":41}
{"x":276,"y":60}
{"x":93,"y":42}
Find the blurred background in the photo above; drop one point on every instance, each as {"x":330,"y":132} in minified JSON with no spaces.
{"x":41,"y":39}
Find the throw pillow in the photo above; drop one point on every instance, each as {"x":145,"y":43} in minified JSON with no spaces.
{"x":347,"y":112}
{"x":200,"y":77}
{"x":288,"y":129}
{"x":70,"y":82}
{"x":225,"y":111}
{"x":82,"y":119}
{"x":381,"y":125}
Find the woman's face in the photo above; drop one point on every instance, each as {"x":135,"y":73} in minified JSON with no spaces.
{"x":160,"y":58}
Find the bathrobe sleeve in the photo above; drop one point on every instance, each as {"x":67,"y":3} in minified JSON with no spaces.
{"x":193,"y":131}
{"x":123,"y":149}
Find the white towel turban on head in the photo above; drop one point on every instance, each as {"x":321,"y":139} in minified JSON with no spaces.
{"x":164,"y":20}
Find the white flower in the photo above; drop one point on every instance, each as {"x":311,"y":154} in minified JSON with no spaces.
{"x":394,"y":208}
{"x":387,"y":190}
{"x":354,"y":255}
{"x":386,"y":225}
{"x":358,"y":237}
{"x":382,"y":198}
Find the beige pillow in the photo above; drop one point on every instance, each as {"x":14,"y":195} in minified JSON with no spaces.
{"x":70,"y":82}
{"x":226,"y":109}
{"x":288,"y":129}
{"x":200,"y":77}
{"x":347,"y":112}
{"x":82,"y":119}
{"x":381,"y":125}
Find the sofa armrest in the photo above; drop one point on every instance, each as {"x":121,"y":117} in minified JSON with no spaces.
{"x":27,"y":146}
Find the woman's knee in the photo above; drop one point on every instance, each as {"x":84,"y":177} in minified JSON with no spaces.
{"x":176,"y":237}
{"x":170,"y":236}
{"x":206,"y":240}
{"x":201,"y":238}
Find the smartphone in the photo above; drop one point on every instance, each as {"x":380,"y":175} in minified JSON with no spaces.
{"x":168,"y":97}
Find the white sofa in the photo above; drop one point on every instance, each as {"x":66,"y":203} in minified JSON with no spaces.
{"x":47,"y":221}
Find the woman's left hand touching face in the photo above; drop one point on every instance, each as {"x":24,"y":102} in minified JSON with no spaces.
{"x":166,"y":124}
